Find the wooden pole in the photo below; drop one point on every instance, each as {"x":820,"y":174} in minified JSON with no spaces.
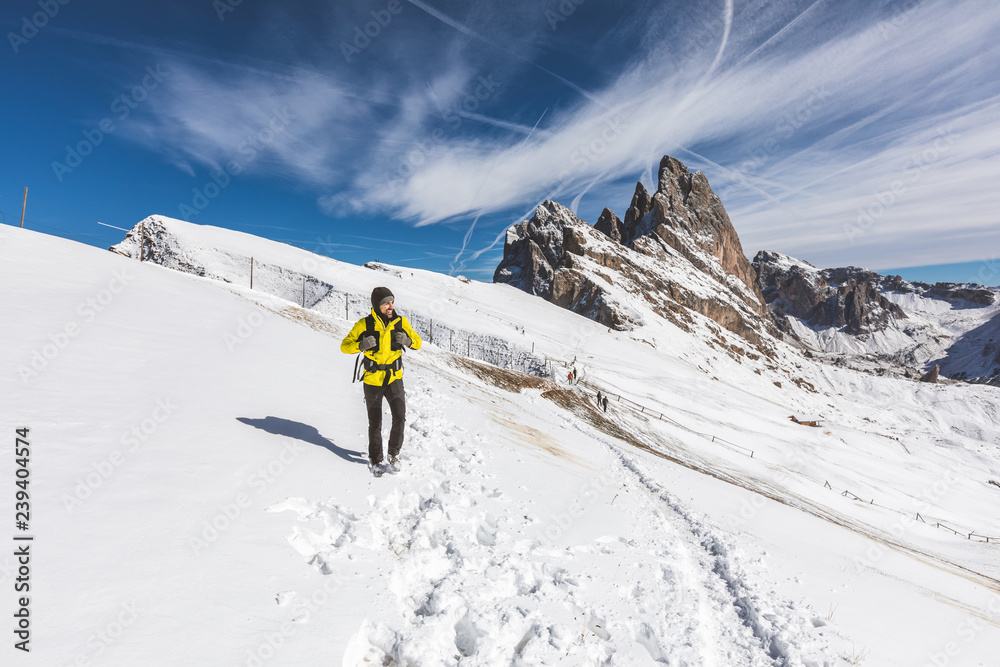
{"x":24,"y":205}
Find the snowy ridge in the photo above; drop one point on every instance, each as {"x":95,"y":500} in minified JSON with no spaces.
{"x":322,"y":284}
{"x":525,"y":527}
{"x":900,"y":327}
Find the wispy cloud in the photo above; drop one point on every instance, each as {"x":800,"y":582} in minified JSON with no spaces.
{"x":802,"y":113}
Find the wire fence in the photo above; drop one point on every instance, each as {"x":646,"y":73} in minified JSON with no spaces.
{"x":658,"y":414}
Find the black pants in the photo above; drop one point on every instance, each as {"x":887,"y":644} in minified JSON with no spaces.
{"x":397,"y":405}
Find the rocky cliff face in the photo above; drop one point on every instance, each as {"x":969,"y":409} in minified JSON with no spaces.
{"x":849,"y":298}
{"x":674,"y":252}
{"x":884,"y":324}
{"x":687,"y":214}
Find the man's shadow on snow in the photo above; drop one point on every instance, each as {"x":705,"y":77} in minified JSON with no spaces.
{"x":304,"y":432}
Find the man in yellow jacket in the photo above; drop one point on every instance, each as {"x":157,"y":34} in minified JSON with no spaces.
{"x":381,"y":336}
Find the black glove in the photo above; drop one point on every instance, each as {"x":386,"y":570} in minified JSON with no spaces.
{"x":366,"y":343}
{"x":400,"y":338}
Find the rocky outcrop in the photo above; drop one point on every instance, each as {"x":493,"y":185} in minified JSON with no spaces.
{"x":848,"y":298}
{"x":543,"y":256}
{"x":688,"y":215}
{"x":641,"y":205}
{"x":610,"y":225}
{"x":675,"y":251}
{"x":976,"y":294}
{"x":151,"y":241}
{"x":533,"y":249}
{"x":884,"y":324}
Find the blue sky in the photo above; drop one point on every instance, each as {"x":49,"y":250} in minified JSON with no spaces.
{"x":416,"y":131}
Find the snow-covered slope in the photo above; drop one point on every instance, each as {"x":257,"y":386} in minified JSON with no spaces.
{"x":200,"y":496}
{"x":882,"y":324}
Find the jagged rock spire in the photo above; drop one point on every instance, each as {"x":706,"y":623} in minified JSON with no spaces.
{"x":641,"y":204}
{"x":610,"y":225}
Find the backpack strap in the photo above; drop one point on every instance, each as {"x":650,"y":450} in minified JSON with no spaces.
{"x":370,"y":331}
{"x":398,"y":326}
{"x":361,"y":360}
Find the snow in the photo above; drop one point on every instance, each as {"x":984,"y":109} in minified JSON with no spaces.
{"x":958,"y":334}
{"x":200,"y":495}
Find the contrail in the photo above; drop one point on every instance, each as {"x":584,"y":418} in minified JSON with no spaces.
{"x":465,"y":241}
{"x":730,"y":173}
{"x":447,"y":20}
{"x":788,"y":26}
{"x":113,"y":227}
{"x":513,"y":127}
{"x":725,"y":41}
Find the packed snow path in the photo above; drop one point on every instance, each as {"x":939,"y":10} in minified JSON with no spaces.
{"x":470,"y":577}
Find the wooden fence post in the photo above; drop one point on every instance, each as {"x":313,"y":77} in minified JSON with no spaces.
{"x":24,"y":205}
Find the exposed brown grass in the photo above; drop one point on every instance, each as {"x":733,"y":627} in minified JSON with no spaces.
{"x":508,"y":380}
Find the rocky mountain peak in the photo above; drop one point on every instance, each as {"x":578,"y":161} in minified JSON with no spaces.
{"x":688,"y":215}
{"x":677,"y":250}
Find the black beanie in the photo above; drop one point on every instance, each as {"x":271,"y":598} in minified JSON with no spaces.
{"x":380,"y":295}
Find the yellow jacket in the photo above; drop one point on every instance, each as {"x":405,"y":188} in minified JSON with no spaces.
{"x":383,"y":353}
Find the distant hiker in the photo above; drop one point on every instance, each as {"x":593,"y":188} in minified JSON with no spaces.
{"x":381,"y":337}
{"x":574,"y":373}
{"x":598,"y":397}
{"x":605,"y":404}
{"x":569,"y":377}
